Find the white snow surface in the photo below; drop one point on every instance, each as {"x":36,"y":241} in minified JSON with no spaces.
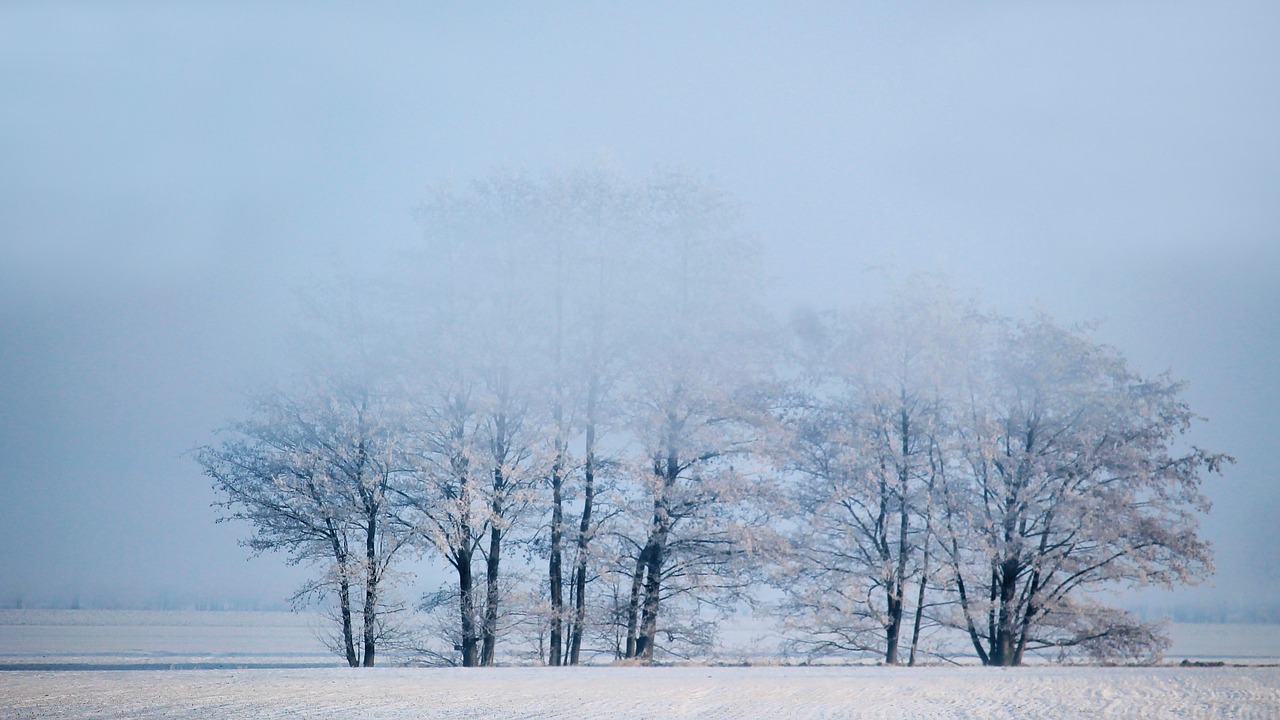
{"x":636,"y":692}
{"x":193,"y":665}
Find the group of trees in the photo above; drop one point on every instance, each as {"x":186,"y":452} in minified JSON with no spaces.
{"x":982,"y":474}
{"x":569,"y":397}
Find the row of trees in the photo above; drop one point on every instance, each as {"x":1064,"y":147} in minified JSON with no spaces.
{"x":573,"y":374}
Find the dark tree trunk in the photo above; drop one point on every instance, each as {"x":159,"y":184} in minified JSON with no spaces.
{"x":1028,"y":615}
{"x":963,"y":595}
{"x":344,"y":595}
{"x":920,"y":596}
{"x":655,"y":554}
{"x":491,"y":596}
{"x":893,"y":629}
{"x":1002,"y":649}
{"x":668,"y":470}
{"x":467,"y":604}
{"x":371,"y":590}
{"x":554,"y":563}
{"x":584,"y":537}
{"x":348,"y":632}
{"x":652,"y":596}
{"x":633,"y":605}
{"x":898,"y":587}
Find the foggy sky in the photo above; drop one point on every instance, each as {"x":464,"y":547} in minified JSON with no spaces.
{"x":169,"y":176}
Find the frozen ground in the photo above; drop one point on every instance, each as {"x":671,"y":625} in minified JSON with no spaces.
{"x":669,"y":692}
{"x":112,"y":664}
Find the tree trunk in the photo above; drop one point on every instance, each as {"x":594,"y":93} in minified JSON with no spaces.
{"x":490,"y":630}
{"x":467,"y":605}
{"x":633,"y":606}
{"x":963,"y":595}
{"x":893,"y":629}
{"x":652,"y":596}
{"x":655,"y":555}
{"x":344,"y":596}
{"x":348,"y":632}
{"x":924,"y":583}
{"x":554,"y":563}
{"x":1002,"y":650}
{"x":655,"y":550}
{"x":898,"y":587}
{"x":584,"y":537}
{"x":1028,"y":616}
{"x":371,"y":590}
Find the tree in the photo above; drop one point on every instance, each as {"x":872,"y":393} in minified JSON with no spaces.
{"x":865,"y":436}
{"x":480,"y":318}
{"x":443,"y":503}
{"x":311,"y":472}
{"x":1073,"y":479}
{"x":566,"y":300}
{"x":692,"y":398}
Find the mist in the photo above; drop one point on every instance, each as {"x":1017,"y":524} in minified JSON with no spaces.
{"x":172,"y":178}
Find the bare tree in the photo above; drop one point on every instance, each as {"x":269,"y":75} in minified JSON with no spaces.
{"x":311,"y":472}
{"x":1073,"y":479}
{"x":866,"y":442}
{"x":697,"y":355}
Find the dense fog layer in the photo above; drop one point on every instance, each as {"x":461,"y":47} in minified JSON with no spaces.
{"x":171,"y":180}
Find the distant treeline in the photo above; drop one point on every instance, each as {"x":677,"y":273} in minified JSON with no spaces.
{"x":1249,"y":614}
{"x":107,"y":602}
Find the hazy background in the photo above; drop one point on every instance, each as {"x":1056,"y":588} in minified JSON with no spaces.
{"x":169,"y":176}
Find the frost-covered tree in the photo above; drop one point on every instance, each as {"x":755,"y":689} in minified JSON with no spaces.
{"x":864,"y":437}
{"x":311,"y":472}
{"x":480,"y":374}
{"x":576,"y":306}
{"x":1074,"y":478}
{"x":698,"y":358}
{"x":314,"y":467}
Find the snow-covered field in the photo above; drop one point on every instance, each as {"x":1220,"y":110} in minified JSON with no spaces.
{"x":668,"y":692}
{"x":129,"y":639}
{"x":111,"y":664}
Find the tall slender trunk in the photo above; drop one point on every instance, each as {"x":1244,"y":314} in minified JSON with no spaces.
{"x":371,"y":589}
{"x":554,"y":563}
{"x":963,"y":595}
{"x":490,"y":630}
{"x":898,"y":587}
{"x":892,"y":600}
{"x":344,"y":594}
{"x":652,"y":597}
{"x":344,"y":603}
{"x":584,"y":536}
{"x":656,"y":550}
{"x":463,"y":550}
{"x":920,"y":596}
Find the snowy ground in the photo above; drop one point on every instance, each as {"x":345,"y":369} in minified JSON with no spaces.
{"x":129,"y":639}
{"x":669,"y":692}
{"x":111,"y":664}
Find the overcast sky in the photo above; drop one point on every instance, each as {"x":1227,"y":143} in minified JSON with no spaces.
{"x":169,"y":174}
